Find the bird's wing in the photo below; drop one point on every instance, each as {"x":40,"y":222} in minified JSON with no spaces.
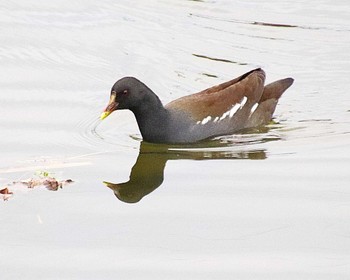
{"x":224,"y":99}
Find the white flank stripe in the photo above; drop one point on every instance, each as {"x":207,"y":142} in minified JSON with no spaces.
{"x":224,"y":115}
{"x":230,"y":113}
{"x":234,"y":109}
{"x":243,"y":102}
{"x":254,"y":108}
{"x":205,"y":120}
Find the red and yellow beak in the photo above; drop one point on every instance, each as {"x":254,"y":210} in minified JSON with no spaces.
{"x":112,"y":105}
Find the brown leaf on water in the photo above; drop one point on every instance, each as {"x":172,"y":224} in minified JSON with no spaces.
{"x":51,"y":184}
{"x":5,"y":191}
{"x":6,"y":194}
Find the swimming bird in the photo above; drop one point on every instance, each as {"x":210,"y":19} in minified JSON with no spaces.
{"x":244,"y":102}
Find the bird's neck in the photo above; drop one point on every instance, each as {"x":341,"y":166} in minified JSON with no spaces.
{"x":152,"y":118}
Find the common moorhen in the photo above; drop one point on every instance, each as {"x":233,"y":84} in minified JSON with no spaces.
{"x":238,"y":104}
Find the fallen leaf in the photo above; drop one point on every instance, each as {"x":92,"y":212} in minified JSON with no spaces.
{"x":6,"y":194}
{"x":5,"y":191}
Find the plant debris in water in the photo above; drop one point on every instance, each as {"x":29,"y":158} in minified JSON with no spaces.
{"x":6,"y":194}
{"x":41,"y":178}
{"x":50,"y":183}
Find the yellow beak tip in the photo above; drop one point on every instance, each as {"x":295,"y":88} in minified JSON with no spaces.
{"x":104,"y":115}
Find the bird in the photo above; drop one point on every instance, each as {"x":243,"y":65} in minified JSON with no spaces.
{"x":224,"y":109}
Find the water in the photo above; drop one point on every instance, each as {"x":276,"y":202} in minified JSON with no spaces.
{"x":268,"y":204}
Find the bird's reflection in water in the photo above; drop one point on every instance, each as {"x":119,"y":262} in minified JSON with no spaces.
{"x":148,"y":172}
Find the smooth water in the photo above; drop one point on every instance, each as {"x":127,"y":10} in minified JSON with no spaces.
{"x":273,"y":203}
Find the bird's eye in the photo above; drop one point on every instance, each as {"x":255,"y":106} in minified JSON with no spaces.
{"x":125,"y":92}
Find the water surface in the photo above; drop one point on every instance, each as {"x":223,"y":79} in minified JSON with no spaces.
{"x":268,"y":204}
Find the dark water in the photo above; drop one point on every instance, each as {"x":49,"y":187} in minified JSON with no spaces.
{"x":268,"y":204}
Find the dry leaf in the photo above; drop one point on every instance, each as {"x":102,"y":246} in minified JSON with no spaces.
{"x":5,"y":191}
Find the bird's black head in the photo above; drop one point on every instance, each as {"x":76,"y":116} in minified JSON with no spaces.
{"x":126,"y":93}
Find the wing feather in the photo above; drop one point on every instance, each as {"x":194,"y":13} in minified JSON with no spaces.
{"x":218,"y":100}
